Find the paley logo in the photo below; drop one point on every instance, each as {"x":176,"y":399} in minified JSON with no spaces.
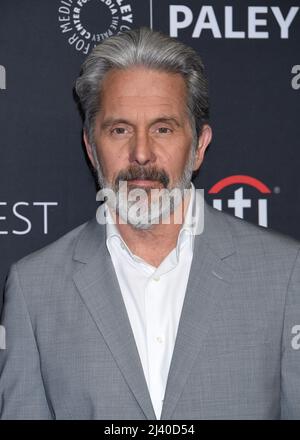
{"x":238,"y":202}
{"x":2,"y":78}
{"x":88,"y":22}
{"x":207,"y":19}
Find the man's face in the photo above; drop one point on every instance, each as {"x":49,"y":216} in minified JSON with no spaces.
{"x":142,"y":133}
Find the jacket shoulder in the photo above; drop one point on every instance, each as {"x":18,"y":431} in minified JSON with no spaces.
{"x":53,"y":255}
{"x":249,"y":235}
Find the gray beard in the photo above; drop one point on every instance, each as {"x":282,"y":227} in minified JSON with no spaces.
{"x":146,"y":218}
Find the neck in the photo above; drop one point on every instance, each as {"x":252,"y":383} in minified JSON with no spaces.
{"x":155,"y":243}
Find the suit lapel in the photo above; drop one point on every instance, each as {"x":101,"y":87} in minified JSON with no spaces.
{"x":210,"y":276}
{"x":100,"y":291}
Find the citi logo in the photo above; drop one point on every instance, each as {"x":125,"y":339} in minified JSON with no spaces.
{"x":238,"y":202}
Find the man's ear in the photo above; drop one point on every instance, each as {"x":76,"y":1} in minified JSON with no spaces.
{"x":203,"y":143}
{"x":88,"y":148}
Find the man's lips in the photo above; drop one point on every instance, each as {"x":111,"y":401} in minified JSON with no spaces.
{"x":144,"y":182}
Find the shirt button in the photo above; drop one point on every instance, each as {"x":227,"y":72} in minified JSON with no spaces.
{"x":156,"y":278}
{"x":122,"y":246}
{"x":159,"y":339}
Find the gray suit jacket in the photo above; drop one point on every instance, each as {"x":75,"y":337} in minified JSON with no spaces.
{"x":70,"y":351}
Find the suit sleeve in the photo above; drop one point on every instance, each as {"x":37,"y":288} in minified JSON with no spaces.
{"x":22,"y":393}
{"x":290,"y":360}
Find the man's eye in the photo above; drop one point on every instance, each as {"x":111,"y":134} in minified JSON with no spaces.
{"x":119,"y":130}
{"x":164,"y":130}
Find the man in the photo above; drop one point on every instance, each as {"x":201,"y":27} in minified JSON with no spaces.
{"x":144,"y":317}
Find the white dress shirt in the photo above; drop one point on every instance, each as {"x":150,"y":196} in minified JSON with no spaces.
{"x":153,"y":297}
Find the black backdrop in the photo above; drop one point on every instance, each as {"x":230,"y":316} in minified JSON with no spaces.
{"x":252,"y":55}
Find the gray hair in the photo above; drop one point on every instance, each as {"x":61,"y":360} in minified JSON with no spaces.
{"x":150,"y":49}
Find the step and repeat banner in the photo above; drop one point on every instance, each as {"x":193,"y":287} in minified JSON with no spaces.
{"x":251,"y":50}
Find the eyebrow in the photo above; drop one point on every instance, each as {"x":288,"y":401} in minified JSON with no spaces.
{"x":164,"y":118}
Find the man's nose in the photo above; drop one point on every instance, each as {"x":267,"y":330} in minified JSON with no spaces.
{"x":141,"y":151}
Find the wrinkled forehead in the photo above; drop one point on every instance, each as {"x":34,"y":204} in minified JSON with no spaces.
{"x":143,"y":90}
{"x":143,"y":82}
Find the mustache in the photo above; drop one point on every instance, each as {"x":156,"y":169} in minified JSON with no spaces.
{"x":142,"y":173}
